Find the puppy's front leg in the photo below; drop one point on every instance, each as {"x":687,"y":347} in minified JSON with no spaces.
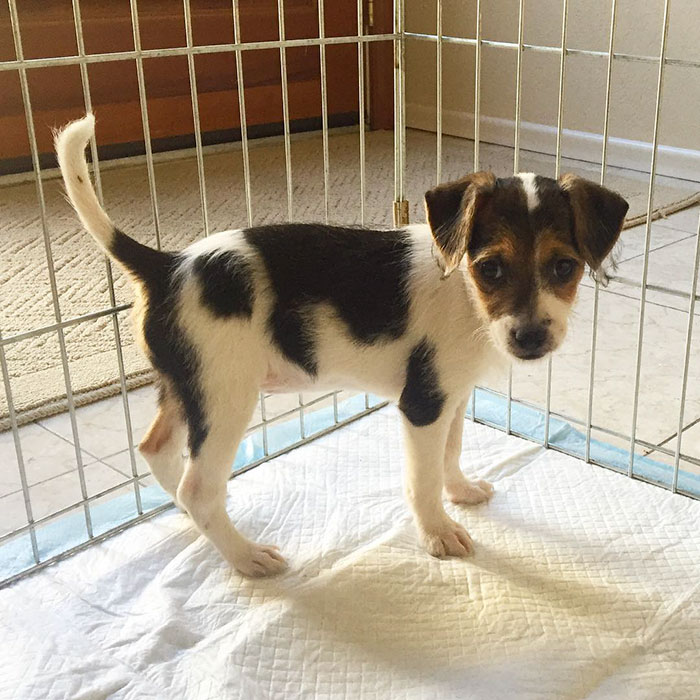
{"x":425,"y":454}
{"x":457,"y":487}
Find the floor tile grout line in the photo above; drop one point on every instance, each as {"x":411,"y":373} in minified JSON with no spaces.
{"x":87,"y":452}
{"x":57,"y":476}
{"x":665,"y":223}
{"x":661,"y":247}
{"x":607,"y":290}
{"x":141,"y":475}
{"x":675,"y":434}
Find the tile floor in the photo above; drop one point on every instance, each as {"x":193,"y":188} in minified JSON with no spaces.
{"x":50,"y":454}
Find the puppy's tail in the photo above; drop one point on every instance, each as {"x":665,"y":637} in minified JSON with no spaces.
{"x":70,"y":143}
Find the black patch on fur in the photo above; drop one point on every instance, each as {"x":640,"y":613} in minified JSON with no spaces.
{"x":169,"y":351}
{"x":362,"y":273}
{"x":422,"y":398}
{"x":226,"y":283}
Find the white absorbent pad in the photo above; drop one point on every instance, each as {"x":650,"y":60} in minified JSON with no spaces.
{"x":584,"y":584}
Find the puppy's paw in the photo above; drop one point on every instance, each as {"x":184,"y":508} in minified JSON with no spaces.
{"x":449,"y":539}
{"x":469,"y":492}
{"x":258,"y":560}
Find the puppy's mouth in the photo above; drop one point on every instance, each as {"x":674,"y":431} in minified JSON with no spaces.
{"x":531,"y":355}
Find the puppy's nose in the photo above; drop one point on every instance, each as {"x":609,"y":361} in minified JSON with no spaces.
{"x":529,"y":339}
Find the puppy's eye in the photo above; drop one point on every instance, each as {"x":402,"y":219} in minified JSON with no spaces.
{"x":564,"y":268}
{"x":491,"y":269}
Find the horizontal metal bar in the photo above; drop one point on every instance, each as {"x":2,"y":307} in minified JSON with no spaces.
{"x":84,"y":545}
{"x":653,"y":287}
{"x":582,"y":423}
{"x":128,"y":481}
{"x":64,"y":324}
{"x":289,"y":412}
{"x":315,"y":436}
{"x":539,"y":48}
{"x":31,"y":63}
{"x":626,"y":281}
{"x":159,"y":509}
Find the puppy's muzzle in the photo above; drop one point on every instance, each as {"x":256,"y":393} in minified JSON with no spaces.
{"x":529,"y":341}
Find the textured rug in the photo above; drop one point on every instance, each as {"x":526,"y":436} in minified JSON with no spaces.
{"x":37,"y":374}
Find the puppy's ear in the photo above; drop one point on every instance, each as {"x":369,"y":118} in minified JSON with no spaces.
{"x":598,"y":215}
{"x":451,"y":209}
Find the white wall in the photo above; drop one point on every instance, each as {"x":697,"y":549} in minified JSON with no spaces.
{"x":639,"y":24}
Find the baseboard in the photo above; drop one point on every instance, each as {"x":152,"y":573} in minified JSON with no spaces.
{"x":581,"y":145}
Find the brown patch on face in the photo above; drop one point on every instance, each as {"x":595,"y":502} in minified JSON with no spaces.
{"x":514,"y":289}
{"x":534,"y":249}
{"x":502,"y":237}
{"x":555,"y":253}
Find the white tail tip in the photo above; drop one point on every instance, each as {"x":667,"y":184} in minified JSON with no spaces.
{"x":70,"y":143}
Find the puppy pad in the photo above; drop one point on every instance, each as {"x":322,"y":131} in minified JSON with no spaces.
{"x":584,"y":584}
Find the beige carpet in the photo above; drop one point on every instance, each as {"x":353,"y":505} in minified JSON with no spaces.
{"x":37,"y":376}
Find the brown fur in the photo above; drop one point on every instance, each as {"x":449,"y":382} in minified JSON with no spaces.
{"x":488,"y":218}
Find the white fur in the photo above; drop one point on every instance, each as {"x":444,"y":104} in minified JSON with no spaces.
{"x":238,"y":359}
{"x":225,"y":345}
{"x":550,"y":310}
{"x":555,"y":311}
{"x":530,"y":187}
{"x":70,"y":145}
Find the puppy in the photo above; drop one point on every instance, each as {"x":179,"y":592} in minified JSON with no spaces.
{"x":415,"y":315}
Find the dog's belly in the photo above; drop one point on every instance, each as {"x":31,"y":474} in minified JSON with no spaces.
{"x":287,"y":380}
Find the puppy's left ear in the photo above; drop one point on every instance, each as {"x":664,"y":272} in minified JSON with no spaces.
{"x":452,"y":209}
{"x":598,"y":215}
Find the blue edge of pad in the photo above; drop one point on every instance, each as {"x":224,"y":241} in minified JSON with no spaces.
{"x":68,"y":531}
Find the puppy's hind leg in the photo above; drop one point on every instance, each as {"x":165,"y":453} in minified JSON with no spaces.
{"x":202,"y":490}
{"x":458,"y":488}
{"x":164,"y":443}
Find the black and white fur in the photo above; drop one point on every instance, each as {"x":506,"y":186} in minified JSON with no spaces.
{"x":289,"y":308}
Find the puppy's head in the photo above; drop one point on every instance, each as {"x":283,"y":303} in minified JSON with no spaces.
{"x":526,"y":240}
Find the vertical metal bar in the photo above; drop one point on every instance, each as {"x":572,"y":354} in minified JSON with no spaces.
{"x":361,"y":109}
{"x":285,"y":109}
{"x":477,"y":126}
{"x":562,"y":78}
{"x":87,"y":98}
{"x":438,"y":112}
{"x":477,"y":89}
{"x":399,"y":115}
{"x":402,"y":101}
{"x":596,"y":291}
{"x":242,"y":116}
{"x":18,"y":451}
{"x":302,"y":426}
{"x":324,"y":106}
{"x":518,"y":88}
{"x":143,"y":103}
{"x":516,"y":169}
{"x":34,"y":149}
{"x":647,"y":237}
{"x":557,"y":167}
{"x":686,"y":359}
{"x":263,"y":417}
{"x":195,"y":117}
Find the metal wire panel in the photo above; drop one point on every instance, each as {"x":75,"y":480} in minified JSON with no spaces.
{"x":314,"y":416}
{"x":442,"y":37}
{"x":304,"y":412}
